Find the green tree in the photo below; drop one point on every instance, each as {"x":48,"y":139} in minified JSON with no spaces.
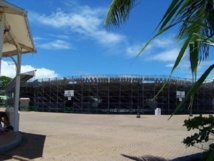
{"x":196,"y":21}
{"x":4,"y":81}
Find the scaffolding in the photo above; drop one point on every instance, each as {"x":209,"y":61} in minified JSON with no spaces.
{"x":115,"y":94}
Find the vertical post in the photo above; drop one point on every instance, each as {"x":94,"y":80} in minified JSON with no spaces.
{"x":17,"y":92}
{"x":1,"y":36}
{"x":17,"y":85}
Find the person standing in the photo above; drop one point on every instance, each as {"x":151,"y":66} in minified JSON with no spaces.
{"x":4,"y":123}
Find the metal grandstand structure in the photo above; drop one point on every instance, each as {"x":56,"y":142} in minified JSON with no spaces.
{"x":115,"y":94}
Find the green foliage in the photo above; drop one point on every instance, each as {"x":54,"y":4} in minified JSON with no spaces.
{"x":209,"y":154}
{"x":196,"y":20}
{"x":118,"y":12}
{"x":205,"y":127}
{"x":68,"y":109}
{"x":4,"y":81}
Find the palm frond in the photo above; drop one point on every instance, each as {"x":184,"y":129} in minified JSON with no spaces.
{"x":170,"y":13}
{"x":194,"y":88}
{"x":118,"y":12}
{"x":194,"y":46}
{"x":177,"y":61}
{"x":198,"y":12}
{"x":196,"y":18}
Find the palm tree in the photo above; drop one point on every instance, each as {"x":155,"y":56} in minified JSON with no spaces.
{"x":196,"y":18}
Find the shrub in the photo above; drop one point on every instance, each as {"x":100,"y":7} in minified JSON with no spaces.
{"x":205,"y":126}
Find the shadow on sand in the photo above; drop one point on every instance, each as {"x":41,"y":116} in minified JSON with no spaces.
{"x":144,"y":158}
{"x":192,"y":157}
{"x":31,"y":147}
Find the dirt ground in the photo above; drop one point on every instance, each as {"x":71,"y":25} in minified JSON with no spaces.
{"x":86,"y":137}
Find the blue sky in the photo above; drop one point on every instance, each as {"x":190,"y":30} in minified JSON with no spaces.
{"x":71,"y":40}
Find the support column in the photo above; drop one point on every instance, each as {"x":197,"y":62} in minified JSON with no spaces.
{"x":17,"y":85}
{"x":17,"y":93}
{"x":1,"y":37}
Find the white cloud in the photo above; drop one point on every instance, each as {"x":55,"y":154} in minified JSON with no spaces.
{"x":170,"y":65}
{"x":203,"y":66}
{"x":57,"y":44}
{"x":184,"y":68}
{"x":164,"y":42}
{"x":45,"y":73}
{"x":8,"y":69}
{"x":132,"y":51}
{"x":165,"y":46}
{"x":65,"y":37}
{"x":106,"y":38}
{"x":36,"y":38}
{"x":85,"y":21}
{"x":165,"y":56}
{"x":163,"y":49}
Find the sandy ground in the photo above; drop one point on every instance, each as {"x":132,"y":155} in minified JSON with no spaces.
{"x":81,"y":137}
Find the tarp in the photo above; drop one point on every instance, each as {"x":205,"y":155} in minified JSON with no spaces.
{"x":24,"y":77}
{"x":16,"y":24}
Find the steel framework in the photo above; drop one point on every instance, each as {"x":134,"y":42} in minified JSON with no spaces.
{"x":115,"y":94}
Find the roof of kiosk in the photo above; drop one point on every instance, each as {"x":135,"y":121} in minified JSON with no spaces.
{"x":16,"y":30}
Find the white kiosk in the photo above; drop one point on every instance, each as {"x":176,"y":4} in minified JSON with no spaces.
{"x":15,"y":40}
